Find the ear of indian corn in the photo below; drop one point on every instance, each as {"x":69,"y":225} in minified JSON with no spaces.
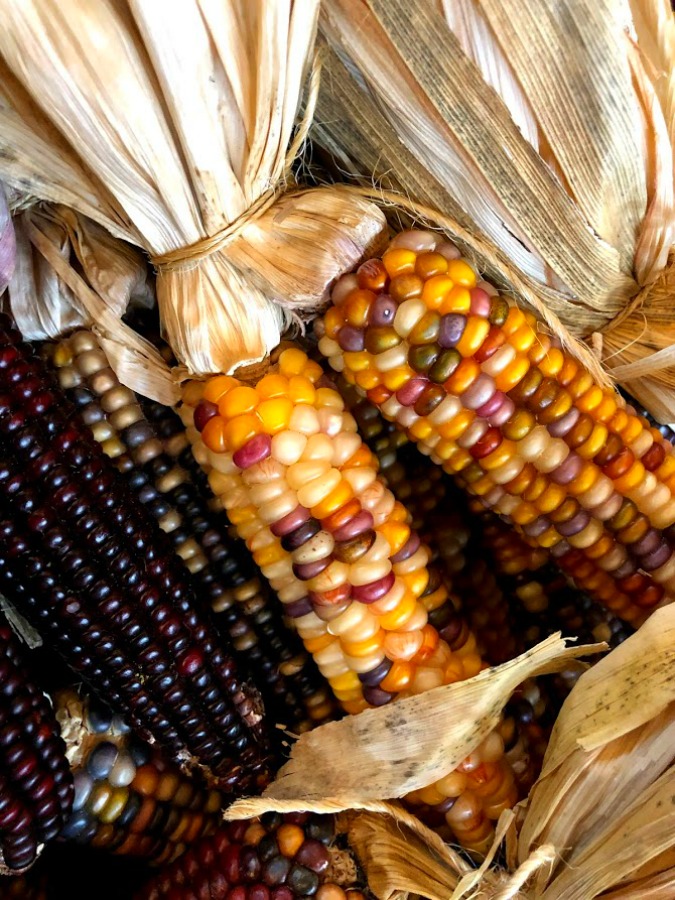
{"x":303,"y":491}
{"x":93,"y":572}
{"x":277,"y":857}
{"x":219,"y":569}
{"x":504,"y":408}
{"x":36,"y":785}
{"x":128,"y":800}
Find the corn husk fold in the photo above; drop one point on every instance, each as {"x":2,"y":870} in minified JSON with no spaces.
{"x":170,"y":126}
{"x":545,"y":131}
{"x":7,"y":243}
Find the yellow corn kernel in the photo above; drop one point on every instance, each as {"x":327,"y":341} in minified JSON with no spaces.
{"x":399,"y":261}
{"x":275,"y":414}
{"x":462,"y":273}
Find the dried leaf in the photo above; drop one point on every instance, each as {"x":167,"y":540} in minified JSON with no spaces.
{"x":388,"y":752}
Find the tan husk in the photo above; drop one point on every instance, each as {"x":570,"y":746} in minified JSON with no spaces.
{"x":170,"y":126}
{"x":553,"y":150}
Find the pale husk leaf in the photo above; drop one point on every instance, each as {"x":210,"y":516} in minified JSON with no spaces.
{"x":180,"y":120}
{"x":7,"y":243}
{"x":386,"y":753}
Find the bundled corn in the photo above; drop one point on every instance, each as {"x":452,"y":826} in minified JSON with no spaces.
{"x":217,"y":563}
{"x":74,"y":543}
{"x":519,"y":421}
{"x":273,"y":858}
{"x":36,"y":785}
{"x":127,"y":799}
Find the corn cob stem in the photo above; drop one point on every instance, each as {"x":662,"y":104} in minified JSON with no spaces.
{"x":36,"y":786}
{"x":96,"y":546}
{"x":446,"y":358}
{"x":302,"y":490}
{"x":120,"y":426}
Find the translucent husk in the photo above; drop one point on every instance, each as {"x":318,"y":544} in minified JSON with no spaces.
{"x":550,"y":144}
{"x":600,"y":818}
{"x":171,"y":125}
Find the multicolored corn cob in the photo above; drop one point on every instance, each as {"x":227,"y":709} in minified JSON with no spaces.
{"x":36,"y":786}
{"x":222,"y":572}
{"x":274,"y":858}
{"x":303,"y":491}
{"x":128,"y":800}
{"x":494,"y":402}
{"x":92,"y":571}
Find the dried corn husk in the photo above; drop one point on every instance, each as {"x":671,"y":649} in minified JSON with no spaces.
{"x":599,"y":819}
{"x":7,"y":244}
{"x":544,"y":132}
{"x":48,"y":296}
{"x":170,"y":124}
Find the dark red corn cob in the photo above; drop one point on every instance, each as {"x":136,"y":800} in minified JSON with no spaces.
{"x":128,"y":799}
{"x":277,"y":858}
{"x":36,"y":785}
{"x":89,"y":566}
{"x":223,"y":573}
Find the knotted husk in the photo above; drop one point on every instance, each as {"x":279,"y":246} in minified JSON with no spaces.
{"x":71,"y":273}
{"x":172,"y":126}
{"x":599,"y":819}
{"x":544,"y":134}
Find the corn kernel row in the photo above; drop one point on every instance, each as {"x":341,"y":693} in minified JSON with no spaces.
{"x":36,"y":786}
{"x":92,"y":571}
{"x":468,"y":378}
{"x":302,"y":490}
{"x":248,"y":594}
{"x":119,"y":424}
{"x":434,"y":509}
{"x":277,"y":857}
{"x":127,"y":799}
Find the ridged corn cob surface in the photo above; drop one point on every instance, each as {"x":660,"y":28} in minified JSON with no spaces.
{"x":274,"y":858}
{"x":303,"y":491}
{"x":128,"y":800}
{"x":220,"y":571}
{"x":504,"y":408}
{"x":96,"y":576}
{"x":36,"y":785}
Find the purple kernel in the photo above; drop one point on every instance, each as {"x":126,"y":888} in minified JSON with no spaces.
{"x":568,"y":470}
{"x":362,"y":521}
{"x":411,"y":546}
{"x":411,"y":390}
{"x":300,"y":535}
{"x":574,"y":525}
{"x":492,"y":405}
{"x":567,"y":423}
{"x":451,"y":330}
{"x":305,"y":571}
{"x":376,"y":696}
{"x":657,"y":558}
{"x":560,"y":549}
{"x":537,"y":527}
{"x":351,"y":339}
{"x":383,"y":310}
{"x":205,"y":411}
{"x":369,"y":593}
{"x":375,"y":676}
{"x":503,"y":414}
{"x":648,"y":543}
{"x":253,"y":451}
{"x":290,"y":521}
{"x":297,"y":608}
